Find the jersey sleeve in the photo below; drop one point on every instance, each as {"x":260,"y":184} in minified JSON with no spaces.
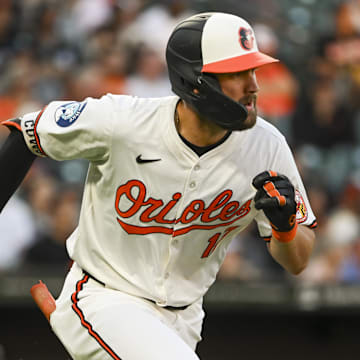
{"x":66,"y":130}
{"x":284,"y":163}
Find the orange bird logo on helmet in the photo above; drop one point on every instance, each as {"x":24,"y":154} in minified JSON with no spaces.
{"x":246,"y":38}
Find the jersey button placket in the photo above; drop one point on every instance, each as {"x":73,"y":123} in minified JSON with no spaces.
{"x":192,"y":183}
{"x":174,"y":243}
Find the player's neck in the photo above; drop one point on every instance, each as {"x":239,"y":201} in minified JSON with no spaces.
{"x":196,"y":130}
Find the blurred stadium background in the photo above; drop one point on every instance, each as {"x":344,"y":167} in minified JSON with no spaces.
{"x":71,"y":49}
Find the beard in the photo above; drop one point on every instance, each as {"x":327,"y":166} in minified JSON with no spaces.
{"x":250,"y":121}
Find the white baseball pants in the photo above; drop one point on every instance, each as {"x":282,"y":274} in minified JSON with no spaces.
{"x":94,"y":322}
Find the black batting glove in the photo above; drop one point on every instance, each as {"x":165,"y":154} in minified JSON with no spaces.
{"x":276,"y":197}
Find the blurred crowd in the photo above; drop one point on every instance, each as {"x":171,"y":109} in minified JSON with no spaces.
{"x":72,"y":49}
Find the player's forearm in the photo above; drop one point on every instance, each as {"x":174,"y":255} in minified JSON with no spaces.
{"x":294,"y":255}
{"x":15,"y":161}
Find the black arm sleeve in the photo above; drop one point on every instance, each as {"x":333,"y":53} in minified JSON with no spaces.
{"x":15,"y":161}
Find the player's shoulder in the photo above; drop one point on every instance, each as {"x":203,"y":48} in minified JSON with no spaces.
{"x":133,"y":103}
{"x":267,"y":130}
{"x":142,"y":116}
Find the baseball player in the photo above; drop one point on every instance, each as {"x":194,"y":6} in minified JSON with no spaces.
{"x":170,"y":182}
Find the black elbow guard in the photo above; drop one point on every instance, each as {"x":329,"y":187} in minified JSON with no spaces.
{"x":15,"y":161}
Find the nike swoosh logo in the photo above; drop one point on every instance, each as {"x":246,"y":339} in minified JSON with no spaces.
{"x":140,"y":160}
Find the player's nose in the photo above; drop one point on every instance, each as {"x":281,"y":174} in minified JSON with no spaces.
{"x":252,"y":85}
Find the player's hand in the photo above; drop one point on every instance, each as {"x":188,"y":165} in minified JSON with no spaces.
{"x":276,"y":197}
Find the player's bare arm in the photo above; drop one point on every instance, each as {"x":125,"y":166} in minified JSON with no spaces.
{"x":294,"y":255}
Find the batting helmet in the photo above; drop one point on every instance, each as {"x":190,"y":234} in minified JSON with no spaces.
{"x":206,"y":44}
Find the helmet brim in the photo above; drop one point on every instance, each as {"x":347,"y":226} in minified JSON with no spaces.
{"x":239,"y":63}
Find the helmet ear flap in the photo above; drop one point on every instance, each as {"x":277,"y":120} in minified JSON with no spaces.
{"x":204,"y":82}
{"x":215,"y":105}
{"x":211,"y":79}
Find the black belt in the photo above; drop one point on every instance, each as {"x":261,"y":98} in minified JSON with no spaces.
{"x":164,"y":307}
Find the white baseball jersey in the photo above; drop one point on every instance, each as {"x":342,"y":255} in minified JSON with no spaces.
{"x":156,"y":219}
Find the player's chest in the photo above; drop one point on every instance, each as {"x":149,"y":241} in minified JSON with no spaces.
{"x":156,"y":192}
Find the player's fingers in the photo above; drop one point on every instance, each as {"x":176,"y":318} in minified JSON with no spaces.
{"x":265,"y":176}
{"x":262,"y":193}
{"x":266,"y":203}
{"x":268,"y":190}
{"x":260,"y":179}
{"x":282,"y":184}
{"x":282,"y":187}
{"x":273,"y":192}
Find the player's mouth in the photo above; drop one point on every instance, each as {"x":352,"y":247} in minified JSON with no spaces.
{"x":249,"y":103}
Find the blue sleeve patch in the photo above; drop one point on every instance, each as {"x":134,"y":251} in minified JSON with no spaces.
{"x":67,"y":114}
